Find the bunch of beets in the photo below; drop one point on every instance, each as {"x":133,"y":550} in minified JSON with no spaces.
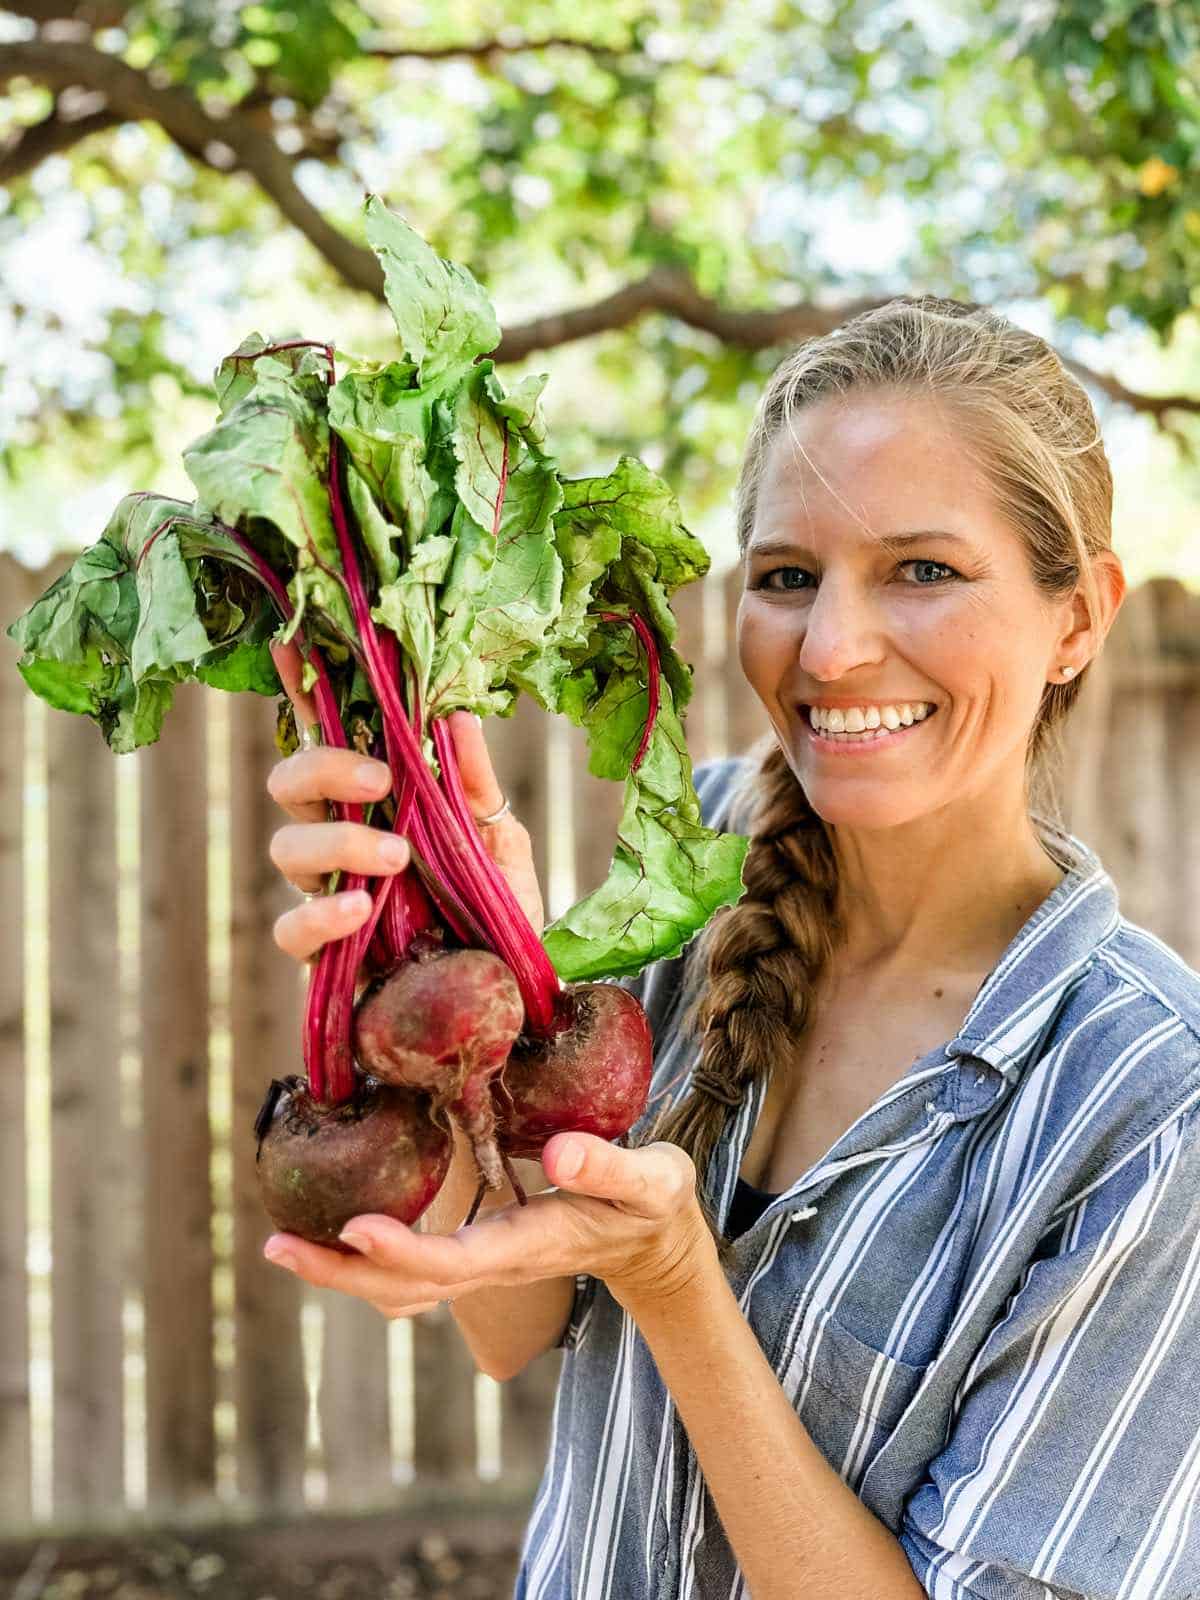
{"x":405,"y":525}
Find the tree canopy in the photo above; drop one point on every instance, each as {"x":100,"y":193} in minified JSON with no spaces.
{"x":657,"y":193}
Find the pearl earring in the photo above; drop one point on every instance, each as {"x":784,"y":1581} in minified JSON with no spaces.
{"x":1068,"y":672}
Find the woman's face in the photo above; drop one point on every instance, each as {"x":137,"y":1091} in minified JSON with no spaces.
{"x":952,"y":619}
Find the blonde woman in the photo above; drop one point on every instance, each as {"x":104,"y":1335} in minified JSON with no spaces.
{"x":897,"y":1289}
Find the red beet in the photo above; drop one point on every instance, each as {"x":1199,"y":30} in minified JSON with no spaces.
{"x":592,"y":1076}
{"x":319,"y":1165}
{"x":444,"y":1022}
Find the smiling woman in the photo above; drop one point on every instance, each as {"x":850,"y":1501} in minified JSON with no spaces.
{"x":926,"y":437}
{"x":896,"y":1284}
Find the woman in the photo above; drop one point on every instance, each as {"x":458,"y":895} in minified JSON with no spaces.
{"x":928,"y":1324}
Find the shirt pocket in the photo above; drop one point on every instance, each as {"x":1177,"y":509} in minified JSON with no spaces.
{"x":849,"y":1395}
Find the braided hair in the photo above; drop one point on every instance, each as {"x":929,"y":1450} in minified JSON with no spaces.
{"x":751,"y":977}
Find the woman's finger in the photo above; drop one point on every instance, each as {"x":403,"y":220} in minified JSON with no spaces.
{"x":518,"y":1244}
{"x":305,"y":851}
{"x":289,"y":664}
{"x":304,"y":783}
{"x":305,"y":930}
{"x":348,"y":1274}
{"x":358,"y":1273}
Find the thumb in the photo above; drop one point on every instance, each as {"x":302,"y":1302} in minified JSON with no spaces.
{"x":653,"y":1180}
{"x":479,"y":781}
{"x":289,"y":664}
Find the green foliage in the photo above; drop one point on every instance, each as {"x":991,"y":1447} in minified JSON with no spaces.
{"x":522,"y":580}
{"x":1038,"y":151}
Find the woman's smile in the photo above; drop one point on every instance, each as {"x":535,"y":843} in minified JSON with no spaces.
{"x":869,"y":742}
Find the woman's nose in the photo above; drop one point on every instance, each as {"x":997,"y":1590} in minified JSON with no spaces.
{"x":841,"y":632}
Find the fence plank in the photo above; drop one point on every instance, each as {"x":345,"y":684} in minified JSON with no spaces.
{"x":1136,"y":844}
{"x":180,"y":1377}
{"x":689,"y":607}
{"x":745,"y":719}
{"x":90,"y":1162}
{"x":1178,"y":617}
{"x":266,"y":1003}
{"x":21,"y":586}
{"x":526,"y":1403}
{"x":1086,"y":749}
{"x":595,"y":813}
{"x":353,"y":1404}
{"x":443,"y":1401}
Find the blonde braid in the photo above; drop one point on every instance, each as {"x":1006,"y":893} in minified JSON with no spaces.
{"x":760,"y":959}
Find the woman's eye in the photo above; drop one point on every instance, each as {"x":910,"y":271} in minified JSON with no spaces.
{"x":782,"y":573}
{"x":941,"y":565}
{"x":791,"y":579}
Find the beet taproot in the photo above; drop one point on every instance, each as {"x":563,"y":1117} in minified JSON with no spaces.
{"x":444,"y":1022}
{"x":319,"y":1165}
{"x":591,"y":1076}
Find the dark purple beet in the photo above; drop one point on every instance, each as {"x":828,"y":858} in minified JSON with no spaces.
{"x":319,"y":1165}
{"x":444,"y":1022}
{"x":592,"y":1076}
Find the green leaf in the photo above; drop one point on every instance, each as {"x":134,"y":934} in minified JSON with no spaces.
{"x":443,"y":317}
{"x":669,"y":873}
{"x":113,"y":635}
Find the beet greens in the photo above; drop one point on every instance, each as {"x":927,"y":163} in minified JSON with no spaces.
{"x":405,"y":524}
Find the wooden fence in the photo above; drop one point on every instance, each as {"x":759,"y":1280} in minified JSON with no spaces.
{"x":151,"y":1364}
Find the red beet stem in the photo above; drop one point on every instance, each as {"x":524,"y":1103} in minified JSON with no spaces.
{"x":438,"y":820}
{"x":653,"y":673}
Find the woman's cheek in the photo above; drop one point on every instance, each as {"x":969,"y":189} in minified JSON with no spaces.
{"x":768,"y":641}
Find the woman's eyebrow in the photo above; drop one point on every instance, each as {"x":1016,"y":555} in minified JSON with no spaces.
{"x":781,"y":544}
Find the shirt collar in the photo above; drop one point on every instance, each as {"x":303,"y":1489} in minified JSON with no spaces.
{"x":1024,"y":991}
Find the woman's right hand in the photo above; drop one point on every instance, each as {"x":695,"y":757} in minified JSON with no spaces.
{"x":312,"y":846}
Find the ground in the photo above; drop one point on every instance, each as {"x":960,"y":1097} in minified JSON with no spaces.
{"x":464,"y":1557}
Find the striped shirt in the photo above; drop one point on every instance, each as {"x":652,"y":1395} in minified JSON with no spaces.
{"x":983,"y":1302}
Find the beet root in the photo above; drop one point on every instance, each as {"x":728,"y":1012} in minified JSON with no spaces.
{"x":592,"y":1076}
{"x":319,"y":1165}
{"x":444,"y":1022}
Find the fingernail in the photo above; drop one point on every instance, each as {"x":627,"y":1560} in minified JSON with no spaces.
{"x":371,"y":775}
{"x":356,"y":901}
{"x":570,"y":1159}
{"x":356,"y":1241}
{"x":280,"y":1255}
{"x":393,"y":852}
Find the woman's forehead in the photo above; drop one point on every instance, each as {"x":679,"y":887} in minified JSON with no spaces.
{"x":878,"y":462}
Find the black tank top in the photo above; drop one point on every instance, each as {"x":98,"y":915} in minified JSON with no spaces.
{"x":747,"y":1206}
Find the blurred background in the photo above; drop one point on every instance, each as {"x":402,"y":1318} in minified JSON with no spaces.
{"x":661,"y":199}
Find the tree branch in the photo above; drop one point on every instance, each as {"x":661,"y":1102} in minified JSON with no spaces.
{"x":231,"y":141}
{"x":482,"y":48}
{"x":671,"y":290}
{"x":88,"y":13}
{"x":28,"y":147}
{"x":219,"y":142}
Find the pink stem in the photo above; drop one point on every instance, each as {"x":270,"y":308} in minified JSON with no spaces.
{"x":653,"y":672}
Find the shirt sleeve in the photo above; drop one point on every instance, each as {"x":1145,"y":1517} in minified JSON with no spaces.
{"x":1071,"y":1465}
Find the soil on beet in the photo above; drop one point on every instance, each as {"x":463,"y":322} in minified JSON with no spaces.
{"x":375,"y":1558}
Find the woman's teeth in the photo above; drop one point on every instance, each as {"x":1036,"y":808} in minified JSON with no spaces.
{"x":859,"y":723}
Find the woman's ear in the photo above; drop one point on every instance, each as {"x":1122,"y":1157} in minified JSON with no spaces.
{"x":1083,"y":638}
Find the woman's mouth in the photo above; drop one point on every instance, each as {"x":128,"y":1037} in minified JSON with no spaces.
{"x":868,"y":742}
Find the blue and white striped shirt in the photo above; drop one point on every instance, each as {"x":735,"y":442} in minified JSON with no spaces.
{"x":984,"y":1301}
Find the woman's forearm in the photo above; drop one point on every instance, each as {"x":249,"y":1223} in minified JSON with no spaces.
{"x":793,"y":1524}
{"x":504,"y":1329}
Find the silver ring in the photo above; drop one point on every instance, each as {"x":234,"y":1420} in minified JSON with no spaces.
{"x":486,"y":822}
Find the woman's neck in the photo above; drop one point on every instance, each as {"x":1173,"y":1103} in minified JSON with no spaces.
{"x":955,"y":914}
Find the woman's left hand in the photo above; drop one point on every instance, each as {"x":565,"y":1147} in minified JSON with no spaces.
{"x":628,"y":1217}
